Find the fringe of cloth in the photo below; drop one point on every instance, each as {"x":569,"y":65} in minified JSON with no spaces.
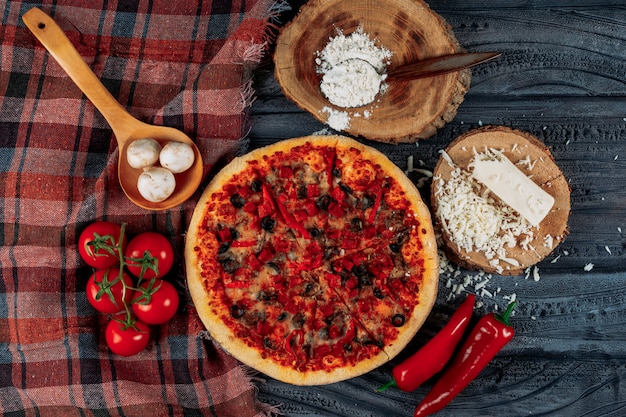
{"x":265,"y":410}
{"x":255,"y":50}
{"x":253,"y":38}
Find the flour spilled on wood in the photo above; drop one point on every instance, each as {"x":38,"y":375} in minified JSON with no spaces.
{"x":353,"y":70}
{"x":338,"y":120}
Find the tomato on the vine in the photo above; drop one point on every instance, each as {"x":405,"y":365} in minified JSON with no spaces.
{"x":106,"y":292}
{"x":156,"y":302}
{"x":149,"y":253}
{"x":97,"y":244}
{"x":125,"y":336}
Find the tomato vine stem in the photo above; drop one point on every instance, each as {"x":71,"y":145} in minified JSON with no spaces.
{"x":147,"y":262}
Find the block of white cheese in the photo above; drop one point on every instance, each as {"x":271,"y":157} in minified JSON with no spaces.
{"x":513,"y":187}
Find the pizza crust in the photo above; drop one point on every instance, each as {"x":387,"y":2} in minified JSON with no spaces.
{"x":516,"y":146}
{"x":223,"y":334}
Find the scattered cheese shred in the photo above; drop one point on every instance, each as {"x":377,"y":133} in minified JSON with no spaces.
{"x":424,"y":174}
{"x":548,"y":241}
{"x":536,"y":274}
{"x":534,"y":270}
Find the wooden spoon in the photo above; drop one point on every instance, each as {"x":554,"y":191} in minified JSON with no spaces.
{"x":344,"y":72}
{"x":438,"y":65}
{"x":125,"y":127}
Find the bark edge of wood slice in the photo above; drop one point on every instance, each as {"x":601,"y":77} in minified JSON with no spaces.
{"x":543,"y":171}
{"x":409,"y":110}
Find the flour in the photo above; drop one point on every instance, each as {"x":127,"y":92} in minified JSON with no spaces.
{"x":357,"y":45}
{"x":353,"y":69}
{"x":351,"y":83}
{"x":338,"y":120}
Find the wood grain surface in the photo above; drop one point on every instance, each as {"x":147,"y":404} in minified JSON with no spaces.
{"x":562,"y":77}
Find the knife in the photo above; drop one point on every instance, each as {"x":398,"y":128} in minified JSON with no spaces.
{"x":438,"y":65}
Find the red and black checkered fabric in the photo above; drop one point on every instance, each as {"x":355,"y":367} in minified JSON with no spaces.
{"x":181,"y":63}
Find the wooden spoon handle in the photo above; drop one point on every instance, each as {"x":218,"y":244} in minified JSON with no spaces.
{"x":438,"y":65}
{"x":59,"y":46}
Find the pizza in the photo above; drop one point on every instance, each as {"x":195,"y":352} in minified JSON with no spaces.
{"x":312,"y":260}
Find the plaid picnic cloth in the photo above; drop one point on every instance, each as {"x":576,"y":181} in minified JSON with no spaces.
{"x":181,"y":63}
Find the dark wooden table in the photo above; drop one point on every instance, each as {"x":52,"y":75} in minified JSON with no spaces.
{"x":562,"y":77}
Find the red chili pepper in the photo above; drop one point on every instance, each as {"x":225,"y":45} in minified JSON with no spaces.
{"x":376,"y":206}
{"x":434,"y":355}
{"x":330,"y":166}
{"x":335,"y":210}
{"x":286,"y":172}
{"x":268,"y":199}
{"x":350,"y":333}
{"x":487,"y":338}
{"x":294,"y":339}
{"x":265,"y":255}
{"x":243,"y":243}
{"x":237,"y":284}
{"x":224,"y":235}
{"x":289,"y":219}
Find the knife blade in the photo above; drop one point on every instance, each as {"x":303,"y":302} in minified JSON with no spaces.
{"x":438,"y":65}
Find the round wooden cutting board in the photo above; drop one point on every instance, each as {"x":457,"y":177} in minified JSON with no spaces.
{"x":408,"y":110}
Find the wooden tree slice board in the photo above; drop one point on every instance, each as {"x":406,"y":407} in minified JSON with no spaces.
{"x":541,"y":169}
{"x":408,"y":110}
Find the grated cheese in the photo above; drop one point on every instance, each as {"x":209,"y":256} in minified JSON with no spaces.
{"x":536,"y":274}
{"x":548,"y":241}
{"x":475,"y":222}
{"x":526,"y":161}
{"x":458,"y":281}
{"x":534,"y":271}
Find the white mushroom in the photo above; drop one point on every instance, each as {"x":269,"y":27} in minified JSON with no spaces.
{"x":155,"y":184}
{"x":143,"y":153}
{"x":176,"y":156}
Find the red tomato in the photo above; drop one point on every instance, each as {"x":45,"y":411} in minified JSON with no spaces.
{"x":97,"y":244}
{"x":105,"y":290}
{"x":151,"y":252}
{"x":155,"y":302}
{"x":126,"y":339}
